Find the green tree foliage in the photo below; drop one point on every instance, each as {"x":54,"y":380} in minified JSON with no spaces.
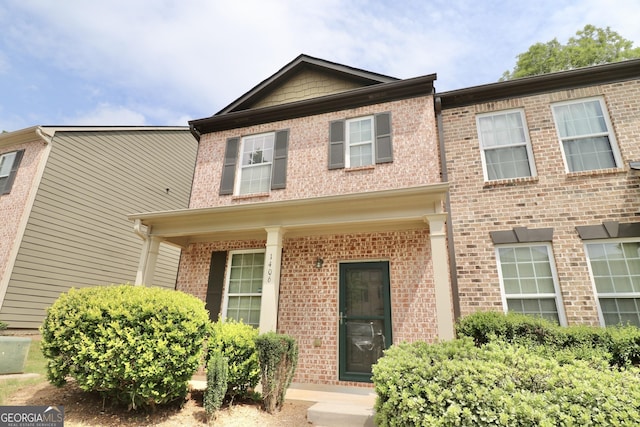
{"x":590,"y":46}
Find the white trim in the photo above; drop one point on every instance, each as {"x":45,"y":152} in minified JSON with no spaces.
{"x":527,"y":143}
{"x":557,"y":296}
{"x":347,"y":142}
{"x":227,"y":278}
{"x":617,"y":158}
{"x":241,"y":167}
{"x":596,"y":295}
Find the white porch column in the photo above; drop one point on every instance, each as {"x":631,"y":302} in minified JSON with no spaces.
{"x":271,"y":280}
{"x":444,"y":301}
{"x":148,"y":259}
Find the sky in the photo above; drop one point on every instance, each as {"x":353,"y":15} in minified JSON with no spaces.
{"x":165,"y":62}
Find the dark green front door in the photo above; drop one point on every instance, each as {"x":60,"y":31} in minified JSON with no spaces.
{"x":365,"y":317}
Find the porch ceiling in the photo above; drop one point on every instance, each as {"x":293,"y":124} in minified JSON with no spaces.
{"x":372,"y":211}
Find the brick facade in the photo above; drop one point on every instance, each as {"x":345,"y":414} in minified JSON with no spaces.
{"x":415,"y":148}
{"x":553,"y":198}
{"x":308,"y":307}
{"x":13,"y":205}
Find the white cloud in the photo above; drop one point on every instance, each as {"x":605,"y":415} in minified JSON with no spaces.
{"x":105,"y":114}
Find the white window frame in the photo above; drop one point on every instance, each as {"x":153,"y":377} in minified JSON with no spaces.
{"x":225,"y":300}
{"x":7,"y":165}
{"x":242,"y":168}
{"x":597,"y":295}
{"x":349,"y":145}
{"x":526,"y":143}
{"x":556,"y":286}
{"x":609,"y":133}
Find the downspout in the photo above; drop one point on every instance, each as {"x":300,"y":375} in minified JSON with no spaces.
{"x":453,"y":273}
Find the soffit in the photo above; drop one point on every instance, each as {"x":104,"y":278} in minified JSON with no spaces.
{"x":373,"y":211}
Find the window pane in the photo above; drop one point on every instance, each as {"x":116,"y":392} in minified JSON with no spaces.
{"x":620,"y":310}
{"x":257,"y":157}
{"x":507,"y":163}
{"x":360,"y":141}
{"x":245,"y":287}
{"x":545,"y":308}
{"x":6,"y":161}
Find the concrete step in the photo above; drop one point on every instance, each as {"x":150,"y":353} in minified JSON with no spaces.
{"x":328,"y":414}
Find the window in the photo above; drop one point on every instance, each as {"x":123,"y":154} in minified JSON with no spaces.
{"x":360,"y":141}
{"x":9,"y":163}
{"x":615,"y":271}
{"x":506,"y":149}
{"x":257,"y":159}
{"x":244,"y":287}
{"x":259,"y":162}
{"x":529,"y":281}
{"x":586,"y":135}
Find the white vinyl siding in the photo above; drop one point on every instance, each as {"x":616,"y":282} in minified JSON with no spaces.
{"x":586,"y":135}
{"x":529,"y":281}
{"x":78,"y":233}
{"x":615,"y":271}
{"x":243,"y":294}
{"x":506,"y":149}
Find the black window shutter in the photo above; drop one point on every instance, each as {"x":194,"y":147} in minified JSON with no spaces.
{"x":216,"y":284}
{"x":6,"y":184}
{"x":279,"y":169}
{"x":229,"y":166}
{"x":336,"y":144}
{"x":384,"y":149}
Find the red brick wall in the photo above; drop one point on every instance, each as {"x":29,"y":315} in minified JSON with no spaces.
{"x":12,"y":205}
{"x":308,"y":307}
{"x":552,"y":199}
{"x":415,"y":146}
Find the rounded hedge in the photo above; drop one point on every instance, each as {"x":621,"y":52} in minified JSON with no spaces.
{"x":135,"y":344}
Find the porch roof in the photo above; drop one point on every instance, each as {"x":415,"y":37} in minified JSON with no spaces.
{"x":382,"y":210}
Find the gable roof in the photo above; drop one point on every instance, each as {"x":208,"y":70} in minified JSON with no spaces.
{"x":302,"y":63}
{"x":371,"y":88}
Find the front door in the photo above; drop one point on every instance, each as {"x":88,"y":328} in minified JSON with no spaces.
{"x":365,"y":317}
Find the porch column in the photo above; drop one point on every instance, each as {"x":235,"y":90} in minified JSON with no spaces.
{"x":148,"y":259}
{"x":271,"y":280}
{"x":444,"y":302}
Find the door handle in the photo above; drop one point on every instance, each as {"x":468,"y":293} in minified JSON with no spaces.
{"x":342,"y":316}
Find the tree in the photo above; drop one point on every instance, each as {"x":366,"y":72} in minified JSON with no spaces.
{"x":590,"y":46}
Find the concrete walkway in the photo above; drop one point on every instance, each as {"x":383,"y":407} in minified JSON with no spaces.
{"x":334,"y":406}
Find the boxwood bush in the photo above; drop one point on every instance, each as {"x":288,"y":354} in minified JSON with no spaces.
{"x":235,"y":341}
{"x":458,"y":383}
{"x":135,"y":344}
{"x":620,"y":345}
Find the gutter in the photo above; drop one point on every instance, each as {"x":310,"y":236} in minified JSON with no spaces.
{"x":445,"y":178}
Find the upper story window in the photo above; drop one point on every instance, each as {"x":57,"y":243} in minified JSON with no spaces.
{"x":529,"y":281}
{"x":506,"y":149}
{"x":9,"y":163}
{"x":257,"y":159}
{"x":615,"y":271}
{"x":360,"y":141}
{"x":255,"y":164}
{"x":586,"y":135}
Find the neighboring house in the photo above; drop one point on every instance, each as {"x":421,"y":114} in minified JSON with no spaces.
{"x":64,"y":192}
{"x":545,"y":194}
{"x":317,"y":211}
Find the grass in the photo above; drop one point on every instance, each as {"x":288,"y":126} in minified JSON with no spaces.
{"x":36,"y":364}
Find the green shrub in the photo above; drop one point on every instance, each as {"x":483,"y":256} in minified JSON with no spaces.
{"x":619,"y":345}
{"x":3,"y":326}
{"x":135,"y":344}
{"x":278,"y":357}
{"x":458,"y":383}
{"x":217,"y":374}
{"x":236,"y":342}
